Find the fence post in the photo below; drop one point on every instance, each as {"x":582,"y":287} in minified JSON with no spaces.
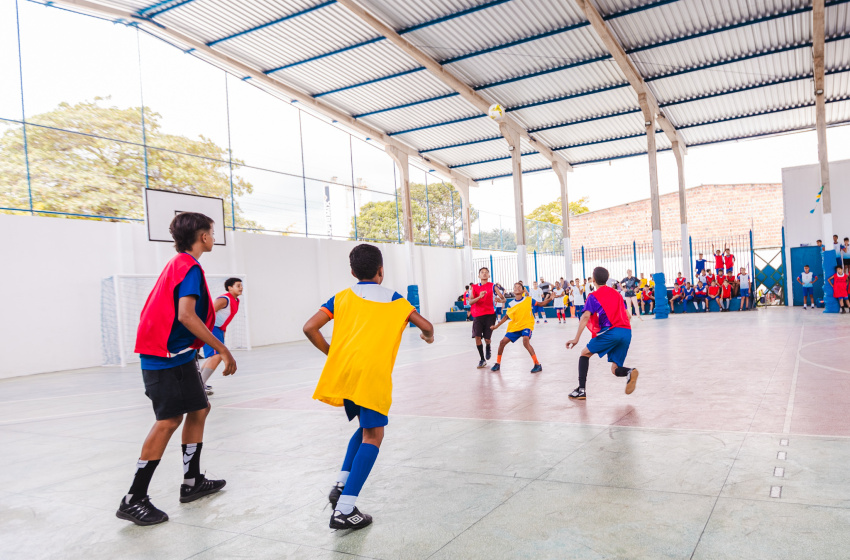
{"x":501,"y":241}
{"x":427,"y":210}
{"x":479,"y":229}
{"x":535,"y":263}
{"x":691,"y":249}
{"x":785,"y":273}
{"x":634,"y":254}
{"x":583,"y":271}
{"x":752,"y":272}
{"x":491,"y":267}
{"x":454,"y":230}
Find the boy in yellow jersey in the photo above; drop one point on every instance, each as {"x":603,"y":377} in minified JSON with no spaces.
{"x":519,"y":312}
{"x":368,"y":324}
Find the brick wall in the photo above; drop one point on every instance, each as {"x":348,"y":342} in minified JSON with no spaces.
{"x":714,"y":211}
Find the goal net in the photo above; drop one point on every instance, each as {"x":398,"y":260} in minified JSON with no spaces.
{"x":121,"y":301}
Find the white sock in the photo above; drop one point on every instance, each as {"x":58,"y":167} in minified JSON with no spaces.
{"x":342,"y":477}
{"x":206,"y":373}
{"x":187,"y":457}
{"x":345,"y":505}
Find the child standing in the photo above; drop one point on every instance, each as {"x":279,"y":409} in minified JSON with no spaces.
{"x":226,"y":307}
{"x":725,"y":294}
{"x":611,"y":333}
{"x":729,"y":261}
{"x":838,"y":281}
{"x":700,"y":265}
{"x":744,"y":288}
{"x":175,"y":322}
{"x":483,"y":314}
{"x":718,"y":260}
{"x":576,"y":299}
{"x":537,"y":296}
{"x":368,"y":324}
{"x":519,"y":312}
{"x":558,"y":302}
{"x":807,"y":279}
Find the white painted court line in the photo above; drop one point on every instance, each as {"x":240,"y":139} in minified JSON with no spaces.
{"x":779,"y":471}
{"x":789,"y":408}
{"x":775,"y":491}
{"x":782,"y":455}
{"x":783,"y":442}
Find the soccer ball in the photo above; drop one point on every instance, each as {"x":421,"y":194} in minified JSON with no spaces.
{"x":496,"y":112}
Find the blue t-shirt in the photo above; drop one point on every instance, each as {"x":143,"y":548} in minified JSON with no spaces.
{"x":700,"y":265}
{"x":689,"y":292}
{"x":369,"y":291}
{"x":180,"y":337}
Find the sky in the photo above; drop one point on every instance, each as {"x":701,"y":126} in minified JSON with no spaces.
{"x":68,"y":57}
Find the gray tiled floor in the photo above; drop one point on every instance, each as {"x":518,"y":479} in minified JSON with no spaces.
{"x":443,"y":488}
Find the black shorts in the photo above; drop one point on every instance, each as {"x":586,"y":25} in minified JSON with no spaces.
{"x":481,"y":326}
{"x":175,"y":391}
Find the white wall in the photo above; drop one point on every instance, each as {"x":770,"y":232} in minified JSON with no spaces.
{"x":54,"y":269}
{"x":800,"y":186}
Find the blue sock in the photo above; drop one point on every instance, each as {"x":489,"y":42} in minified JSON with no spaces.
{"x":360,"y":469}
{"x":353,"y":446}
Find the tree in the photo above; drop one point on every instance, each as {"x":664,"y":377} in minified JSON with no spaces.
{"x":551,"y":212}
{"x":437,"y":218}
{"x":496,"y":239}
{"x":87,"y":174}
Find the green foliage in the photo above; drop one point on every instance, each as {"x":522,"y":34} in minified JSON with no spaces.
{"x":86,"y":174}
{"x":378,"y":220}
{"x":551,"y":212}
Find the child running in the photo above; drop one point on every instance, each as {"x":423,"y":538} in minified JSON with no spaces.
{"x":838,"y":281}
{"x":226,"y":307}
{"x":175,"y":321}
{"x":558,"y":303}
{"x":519,"y":312}
{"x":483,"y":314}
{"x":368,"y":324}
{"x":611,"y":333}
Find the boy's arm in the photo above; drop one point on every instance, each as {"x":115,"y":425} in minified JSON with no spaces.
{"x":500,"y":295}
{"x":582,"y":324}
{"x":501,"y":322}
{"x":311,"y":331}
{"x":189,"y":319}
{"x":424,"y":325}
{"x":220,"y":303}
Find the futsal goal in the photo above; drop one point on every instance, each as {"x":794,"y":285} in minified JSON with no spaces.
{"x":121,"y":301}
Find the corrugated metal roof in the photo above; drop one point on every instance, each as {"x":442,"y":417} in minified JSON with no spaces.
{"x":693,"y":53}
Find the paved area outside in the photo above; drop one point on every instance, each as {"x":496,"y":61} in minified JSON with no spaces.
{"x":729,"y":408}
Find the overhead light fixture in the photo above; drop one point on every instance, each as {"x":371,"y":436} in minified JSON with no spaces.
{"x":647,"y":123}
{"x":818,"y":92}
{"x":510,"y":148}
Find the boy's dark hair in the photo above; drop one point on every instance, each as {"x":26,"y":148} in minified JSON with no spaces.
{"x":600,"y":275}
{"x":819,"y":241}
{"x":184,"y":229}
{"x":230,"y":282}
{"x":466,"y":287}
{"x":365,"y":261}
{"x":483,"y":268}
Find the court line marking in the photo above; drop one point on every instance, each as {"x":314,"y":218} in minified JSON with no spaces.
{"x":789,"y":408}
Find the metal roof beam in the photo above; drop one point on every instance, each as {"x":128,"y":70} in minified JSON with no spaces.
{"x":274,"y":22}
{"x":462,"y":144}
{"x":652,"y":111}
{"x":238,"y":68}
{"x":491,"y":160}
{"x":441,"y":73}
{"x":152,"y":11}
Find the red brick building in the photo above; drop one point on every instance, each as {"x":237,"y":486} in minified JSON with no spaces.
{"x":714,"y":211}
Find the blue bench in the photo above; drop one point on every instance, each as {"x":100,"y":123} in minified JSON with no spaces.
{"x":455,"y":316}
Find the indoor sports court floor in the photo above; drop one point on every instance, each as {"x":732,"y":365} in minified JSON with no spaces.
{"x":729,"y":408}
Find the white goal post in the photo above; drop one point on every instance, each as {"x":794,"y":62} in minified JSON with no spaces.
{"x":121,"y":300}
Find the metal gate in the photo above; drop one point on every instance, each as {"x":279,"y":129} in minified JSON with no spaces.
{"x":769,"y":277}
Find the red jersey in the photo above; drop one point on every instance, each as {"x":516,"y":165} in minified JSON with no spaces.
{"x":648,"y":293}
{"x":680,"y":281}
{"x":718,"y":261}
{"x":729,"y":260}
{"x":726,"y":291}
{"x":483,"y":306}
{"x":731,"y":278}
{"x":839,"y":286}
{"x":699,"y":291}
{"x":713,"y":291}
{"x":234,"y":308}
{"x":615,"y":310}
{"x":709,"y":278}
{"x":677,"y":290}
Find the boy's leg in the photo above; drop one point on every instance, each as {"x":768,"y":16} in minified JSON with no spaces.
{"x":583,"y":366}
{"x":208,"y":368}
{"x":347,"y":462}
{"x":195,"y":485}
{"x":361,"y":466}
{"x":480,"y":347}
{"x":502,"y":343}
{"x":152,"y":450}
{"x":526,"y":341}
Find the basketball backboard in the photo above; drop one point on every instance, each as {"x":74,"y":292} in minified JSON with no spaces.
{"x":162,"y":206}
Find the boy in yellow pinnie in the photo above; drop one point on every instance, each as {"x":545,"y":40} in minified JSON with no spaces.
{"x":369,"y":321}
{"x":519,"y":312}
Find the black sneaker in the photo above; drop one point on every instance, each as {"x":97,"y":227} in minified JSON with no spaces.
{"x":579,"y":394}
{"x":142,"y":512}
{"x":336,"y":492}
{"x":496,"y":367}
{"x":203,"y":487}
{"x":487,"y":353}
{"x":482,"y":364}
{"x":537,"y":368}
{"x":632,"y":381}
{"x":354,"y":520}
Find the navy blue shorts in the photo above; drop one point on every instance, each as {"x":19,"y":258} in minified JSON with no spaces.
{"x":745,"y":292}
{"x":537,"y":309}
{"x":368,"y":417}
{"x":514,"y":336}
{"x":808,"y":291}
{"x":614,"y":343}
{"x":208,"y":350}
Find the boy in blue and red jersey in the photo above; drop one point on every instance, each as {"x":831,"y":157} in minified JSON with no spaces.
{"x":226,"y":308}
{"x":606,"y":316}
{"x":175,"y":322}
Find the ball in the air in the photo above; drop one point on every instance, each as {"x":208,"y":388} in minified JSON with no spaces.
{"x":496,"y":112}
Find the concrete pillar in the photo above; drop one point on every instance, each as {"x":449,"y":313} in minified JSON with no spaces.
{"x":401,"y":161}
{"x":818,"y":22}
{"x":561,"y":172}
{"x":662,"y":306}
{"x":467,"y":266}
{"x":687,"y":269}
{"x":513,"y":139}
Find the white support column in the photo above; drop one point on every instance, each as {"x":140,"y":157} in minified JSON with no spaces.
{"x":401,"y":161}
{"x":687,"y":269}
{"x":818,"y":23}
{"x":467,"y":267}
{"x":655,"y":203}
{"x":561,"y":173}
{"x":513,"y":139}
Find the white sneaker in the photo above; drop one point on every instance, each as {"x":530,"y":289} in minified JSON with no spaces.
{"x":804,"y":307}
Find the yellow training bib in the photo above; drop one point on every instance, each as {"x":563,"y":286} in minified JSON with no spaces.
{"x":365,"y":342}
{"x":521,"y":316}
